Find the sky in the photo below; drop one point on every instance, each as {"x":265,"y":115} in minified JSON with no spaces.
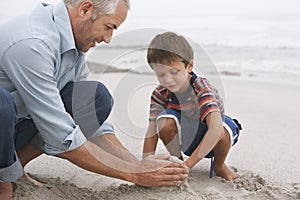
{"x":177,"y":7}
{"x":169,"y":14}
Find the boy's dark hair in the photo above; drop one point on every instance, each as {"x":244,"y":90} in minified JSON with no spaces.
{"x":169,"y":47}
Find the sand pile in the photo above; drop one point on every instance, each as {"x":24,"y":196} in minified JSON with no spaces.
{"x":248,"y":186}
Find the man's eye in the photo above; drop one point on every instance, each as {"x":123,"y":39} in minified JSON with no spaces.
{"x":160,"y":75}
{"x":108,"y":27}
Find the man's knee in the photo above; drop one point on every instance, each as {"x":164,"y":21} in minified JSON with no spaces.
{"x":87,"y":98}
{"x":8,"y":115}
{"x":103,"y":102}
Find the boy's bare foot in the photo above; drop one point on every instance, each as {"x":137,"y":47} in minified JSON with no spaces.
{"x":226,"y":173}
{"x":6,"y":191}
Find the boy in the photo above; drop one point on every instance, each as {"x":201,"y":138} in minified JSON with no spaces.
{"x":186,"y":112}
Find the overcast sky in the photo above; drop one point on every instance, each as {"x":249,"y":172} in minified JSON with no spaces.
{"x":145,"y":9}
{"x":177,"y":7}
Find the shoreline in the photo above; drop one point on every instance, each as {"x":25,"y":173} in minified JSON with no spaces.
{"x":271,"y":63}
{"x":267,"y":77}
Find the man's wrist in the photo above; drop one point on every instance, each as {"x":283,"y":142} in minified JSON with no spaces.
{"x":130,"y":173}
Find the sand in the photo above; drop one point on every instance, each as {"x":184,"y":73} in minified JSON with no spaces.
{"x":266,"y":155}
{"x":248,"y":186}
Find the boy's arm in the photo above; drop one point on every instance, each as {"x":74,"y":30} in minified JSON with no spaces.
{"x":151,"y":139}
{"x":209,"y":141}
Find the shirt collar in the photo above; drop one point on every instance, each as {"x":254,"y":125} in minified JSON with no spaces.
{"x":62,"y":20}
{"x":193,"y":78}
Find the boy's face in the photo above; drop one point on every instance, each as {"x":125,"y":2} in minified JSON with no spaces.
{"x":174,"y":76}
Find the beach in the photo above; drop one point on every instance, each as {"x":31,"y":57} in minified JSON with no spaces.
{"x":250,"y":50}
{"x":266,"y":155}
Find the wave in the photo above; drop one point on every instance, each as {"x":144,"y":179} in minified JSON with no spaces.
{"x":142,"y":47}
{"x":281,"y":63}
{"x":103,"y":68}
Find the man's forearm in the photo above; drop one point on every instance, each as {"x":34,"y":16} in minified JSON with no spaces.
{"x":92,"y":158}
{"x":148,"y":172}
{"x":112,"y":145}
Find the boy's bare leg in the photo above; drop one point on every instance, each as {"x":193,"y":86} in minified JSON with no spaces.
{"x":220,"y":153}
{"x":168,"y":133}
{"x":6,"y":191}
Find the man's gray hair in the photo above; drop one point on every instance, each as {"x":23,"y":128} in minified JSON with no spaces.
{"x":103,"y":7}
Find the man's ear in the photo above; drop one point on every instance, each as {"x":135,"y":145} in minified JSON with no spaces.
{"x":86,"y":9}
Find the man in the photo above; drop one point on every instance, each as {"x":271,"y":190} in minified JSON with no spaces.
{"x":46,"y":104}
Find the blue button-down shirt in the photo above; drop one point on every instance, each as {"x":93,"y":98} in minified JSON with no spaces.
{"x":38,"y":57}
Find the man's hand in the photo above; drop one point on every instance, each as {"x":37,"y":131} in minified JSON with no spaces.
{"x":151,"y":171}
{"x":158,"y":171}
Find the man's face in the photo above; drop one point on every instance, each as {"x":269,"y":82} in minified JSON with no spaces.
{"x":88,"y":32}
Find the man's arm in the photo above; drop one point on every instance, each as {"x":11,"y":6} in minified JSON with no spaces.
{"x":111,"y":144}
{"x":30,"y":66}
{"x":148,"y":172}
{"x":114,"y":160}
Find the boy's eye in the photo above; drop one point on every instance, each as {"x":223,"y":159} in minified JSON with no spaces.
{"x":160,"y":75}
{"x":174,"y":71}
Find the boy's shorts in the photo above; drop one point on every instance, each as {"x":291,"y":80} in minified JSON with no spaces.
{"x":192,"y":131}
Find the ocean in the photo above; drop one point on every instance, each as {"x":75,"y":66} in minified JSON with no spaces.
{"x":258,"y":39}
{"x":262,"y":47}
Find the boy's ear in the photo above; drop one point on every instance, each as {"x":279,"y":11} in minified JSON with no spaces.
{"x":190,"y":66}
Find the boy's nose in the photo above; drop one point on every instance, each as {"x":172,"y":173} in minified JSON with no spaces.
{"x":167,"y":79}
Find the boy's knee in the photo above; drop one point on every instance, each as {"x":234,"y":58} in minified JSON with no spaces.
{"x":167,"y":127}
{"x":8,"y":115}
{"x":103,"y":102}
{"x":225,"y":136}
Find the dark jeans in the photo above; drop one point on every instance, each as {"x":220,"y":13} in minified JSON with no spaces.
{"x":15,"y":134}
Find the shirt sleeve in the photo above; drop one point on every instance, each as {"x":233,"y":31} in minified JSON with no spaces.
{"x":30,"y":66}
{"x":157,"y":104}
{"x":207,"y":100}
